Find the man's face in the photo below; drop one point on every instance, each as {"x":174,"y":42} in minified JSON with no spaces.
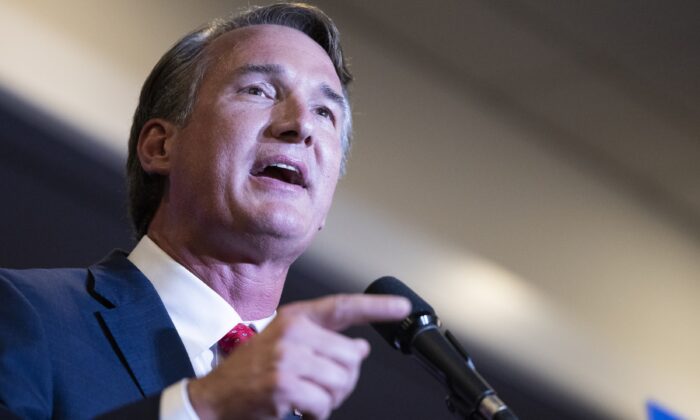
{"x":261,"y":152}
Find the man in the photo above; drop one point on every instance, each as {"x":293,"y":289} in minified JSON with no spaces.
{"x":237,"y":144}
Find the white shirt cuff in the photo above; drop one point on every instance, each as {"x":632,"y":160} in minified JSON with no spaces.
{"x":175,"y":403}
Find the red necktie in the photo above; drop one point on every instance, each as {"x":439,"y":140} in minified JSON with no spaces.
{"x":234,"y":338}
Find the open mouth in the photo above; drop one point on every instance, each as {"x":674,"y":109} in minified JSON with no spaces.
{"x":283,"y":172}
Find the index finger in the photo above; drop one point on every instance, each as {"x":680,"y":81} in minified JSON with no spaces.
{"x":338,"y":312}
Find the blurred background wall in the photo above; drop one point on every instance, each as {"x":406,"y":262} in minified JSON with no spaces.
{"x":529,"y":166}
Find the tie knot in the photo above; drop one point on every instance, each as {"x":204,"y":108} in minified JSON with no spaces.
{"x":234,"y":338}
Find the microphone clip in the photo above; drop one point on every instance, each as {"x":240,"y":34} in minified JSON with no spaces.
{"x":412,"y":326}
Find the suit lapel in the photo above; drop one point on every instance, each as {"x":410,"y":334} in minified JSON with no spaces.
{"x":138,"y":325}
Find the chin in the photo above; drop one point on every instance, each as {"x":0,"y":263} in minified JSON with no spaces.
{"x":285,"y":224}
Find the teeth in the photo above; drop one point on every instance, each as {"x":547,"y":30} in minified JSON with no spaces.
{"x":283,"y":166}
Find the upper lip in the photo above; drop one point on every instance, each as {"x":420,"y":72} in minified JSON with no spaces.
{"x":298,"y":171}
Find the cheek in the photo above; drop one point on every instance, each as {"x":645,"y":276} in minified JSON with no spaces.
{"x":203,"y":164}
{"x":329,"y":153}
{"x":328,"y":191}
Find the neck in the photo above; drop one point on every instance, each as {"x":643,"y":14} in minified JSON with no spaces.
{"x":253,"y":287}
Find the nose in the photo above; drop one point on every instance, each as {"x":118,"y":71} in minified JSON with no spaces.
{"x":292,"y":122}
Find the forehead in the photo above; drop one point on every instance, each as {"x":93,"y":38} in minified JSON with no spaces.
{"x":295,"y":51}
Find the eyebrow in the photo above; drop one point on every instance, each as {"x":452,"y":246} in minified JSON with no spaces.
{"x":260,"y":68}
{"x":334,"y":96}
{"x":276,"y":69}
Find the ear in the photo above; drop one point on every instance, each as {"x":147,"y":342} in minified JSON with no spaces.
{"x":154,"y":147}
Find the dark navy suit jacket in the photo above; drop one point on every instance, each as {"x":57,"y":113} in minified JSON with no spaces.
{"x":78,"y":343}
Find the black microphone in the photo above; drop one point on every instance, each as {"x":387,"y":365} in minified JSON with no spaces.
{"x":419,"y":334}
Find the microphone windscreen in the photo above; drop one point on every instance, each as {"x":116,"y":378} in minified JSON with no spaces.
{"x":392,"y":331}
{"x":392,"y":286}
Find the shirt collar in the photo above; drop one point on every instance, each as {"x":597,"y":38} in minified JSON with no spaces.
{"x":201,"y":317}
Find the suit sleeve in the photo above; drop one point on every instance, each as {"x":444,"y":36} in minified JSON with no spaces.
{"x":25,"y":369}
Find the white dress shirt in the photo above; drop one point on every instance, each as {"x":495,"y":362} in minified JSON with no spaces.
{"x":201,"y":317}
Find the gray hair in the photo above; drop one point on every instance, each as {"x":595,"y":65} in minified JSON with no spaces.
{"x":171,"y":89}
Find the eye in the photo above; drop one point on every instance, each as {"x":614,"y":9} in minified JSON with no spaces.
{"x":325,"y":113}
{"x":257,"y":90}
{"x":254,"y":90}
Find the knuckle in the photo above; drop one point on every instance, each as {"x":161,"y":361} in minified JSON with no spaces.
{"x":283,"y":356}
{"x":343,"y":384}
{"x":338,"y":396}
{"x":326,"y":411}
{"x":354,"y":356}
{"x":288,"y":324}
{"x":341,"y":307}
{"x":282,"y":382}
{"x":325,"y":405}
{"x":282,"y":389}
{"x":279,"y":406}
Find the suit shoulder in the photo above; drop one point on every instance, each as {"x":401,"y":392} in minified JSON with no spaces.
{"x":48,"y":283}
{"x":57,"y":295}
